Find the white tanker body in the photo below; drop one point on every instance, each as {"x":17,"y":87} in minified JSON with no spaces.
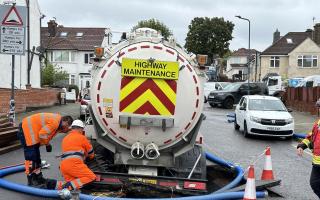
{"x":146,"y":106}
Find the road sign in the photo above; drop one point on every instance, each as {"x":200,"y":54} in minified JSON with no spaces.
{"x":12,"y":29}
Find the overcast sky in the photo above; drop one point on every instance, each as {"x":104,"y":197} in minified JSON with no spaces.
{"x":265,"y":15}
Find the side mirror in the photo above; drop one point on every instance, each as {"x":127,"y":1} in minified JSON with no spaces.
{"x":289,"y":110}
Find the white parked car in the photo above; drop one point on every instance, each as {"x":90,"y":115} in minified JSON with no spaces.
{"x":263,"y":115}
{"x":212,"y":86}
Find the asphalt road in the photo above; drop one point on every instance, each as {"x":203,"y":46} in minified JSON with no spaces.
{"x":220,"y":139}
{"x":229,"y":144}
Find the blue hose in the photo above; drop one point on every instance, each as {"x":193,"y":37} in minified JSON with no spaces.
{"x":299,"y":135}
{"x":54,"y":193}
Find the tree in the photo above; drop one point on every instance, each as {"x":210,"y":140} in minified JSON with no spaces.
{"x":51,"y":75}
{"x":209,"y":36}
{"x":156,"y":25}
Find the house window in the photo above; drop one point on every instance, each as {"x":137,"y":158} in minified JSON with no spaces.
{"x":79,"y":34}
{"x":72,"y":79}
{"x":63,"y":56}
{"x":308,"y":61}
{"x":63,"y":34}
{"x":275,"y":61}
{"x":87,"y":57}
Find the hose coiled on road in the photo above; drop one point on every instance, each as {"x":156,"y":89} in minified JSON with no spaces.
{"x":217,"y":195}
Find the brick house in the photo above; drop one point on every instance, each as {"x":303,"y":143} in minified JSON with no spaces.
{"x":294,"y":55}
{"x":70,"y":48}
{"x":237,"y":68}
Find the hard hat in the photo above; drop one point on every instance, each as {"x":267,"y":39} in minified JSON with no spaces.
{"x":77,"y":123}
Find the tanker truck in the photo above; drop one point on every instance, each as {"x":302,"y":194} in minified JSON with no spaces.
{"x":146,"y":111}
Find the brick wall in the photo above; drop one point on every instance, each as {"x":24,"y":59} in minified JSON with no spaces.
{"x":28,"y":98}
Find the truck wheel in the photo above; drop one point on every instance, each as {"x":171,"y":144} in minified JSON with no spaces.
{"x":245,"y":130}
{"x":228,"y":103}
{"x":213,"y":105}
{"x":236,"y":126}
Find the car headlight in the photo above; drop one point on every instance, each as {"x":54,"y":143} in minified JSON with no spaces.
{"x":289,"y":121}
{"x":255,"y":119}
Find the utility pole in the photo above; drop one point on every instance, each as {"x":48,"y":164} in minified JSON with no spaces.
{"x":249,"y":52}
{"x":28,"y":41}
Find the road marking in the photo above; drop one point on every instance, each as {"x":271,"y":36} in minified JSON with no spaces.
{"x":307,"y":151}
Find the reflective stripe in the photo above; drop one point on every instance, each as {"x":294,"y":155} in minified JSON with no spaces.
{"x":72,"y":156}
{"x":71,"y":152}
{"x":306,"y":142}
{"x":79,"y":182}
{"x":90,"y":151}
{"x":73,"y":185}
{"x":42,"y":120}
{"x":32,"y":135}
{"x":46,"y":129}
{"x":42,"y":136}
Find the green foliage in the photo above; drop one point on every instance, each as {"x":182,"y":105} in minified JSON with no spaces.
{"x":75,"y":87}
{"x":209,"y":36}
{"x":156,"y":25}
{"x":51,"y":75}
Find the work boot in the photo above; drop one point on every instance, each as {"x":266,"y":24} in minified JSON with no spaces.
{"x":39,"y":179}
{"x":30,"y":177}
{"x":51,"y":184}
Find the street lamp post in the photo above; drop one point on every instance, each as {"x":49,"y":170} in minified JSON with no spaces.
{"x":249,"y":52}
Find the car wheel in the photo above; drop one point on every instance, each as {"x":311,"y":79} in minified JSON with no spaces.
{"x":205,"y":99}
{"x":236,"y":126}
{"x":213,"y":105}
{"x":228,"y":103}
{"x":245,"y":130}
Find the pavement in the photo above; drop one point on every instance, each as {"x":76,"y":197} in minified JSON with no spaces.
{"x":220,"y":138}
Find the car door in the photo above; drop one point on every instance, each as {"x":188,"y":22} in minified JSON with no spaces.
{"x":240,"y":114}
{"x":254,"y":89}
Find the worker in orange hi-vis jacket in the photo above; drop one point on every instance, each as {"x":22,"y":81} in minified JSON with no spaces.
{"x":37,"y":130}
{"x":75,"y":149}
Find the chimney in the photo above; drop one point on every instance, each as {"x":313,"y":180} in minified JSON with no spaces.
{"x":52,"y":28}
{"x":316,"y":34}
{"x":276,"y":36}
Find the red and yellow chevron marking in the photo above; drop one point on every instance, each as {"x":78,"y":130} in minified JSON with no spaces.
{"x":148,"y":96}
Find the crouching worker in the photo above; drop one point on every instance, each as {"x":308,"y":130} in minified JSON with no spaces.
{"x":35,"y":131}
{"x":75,"y":149}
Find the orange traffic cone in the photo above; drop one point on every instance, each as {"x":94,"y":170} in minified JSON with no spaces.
{"x":250,"y":191}
{"x":267,"y":173}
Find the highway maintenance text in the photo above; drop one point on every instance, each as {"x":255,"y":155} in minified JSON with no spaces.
{"x":147,"y":69}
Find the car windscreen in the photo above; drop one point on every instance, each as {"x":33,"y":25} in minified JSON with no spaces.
{"x":224,"y":85}
{"x":87,"y":97}
{"x":232,"y":87}
{"x":266,"y":105}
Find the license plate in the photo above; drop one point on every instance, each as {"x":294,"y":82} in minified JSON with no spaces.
{"x":142,"y":180}
{"x":273,"y":128}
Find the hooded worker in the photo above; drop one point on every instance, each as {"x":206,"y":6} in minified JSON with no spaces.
{"x":35,"y":131}
{"x":76,"y":148}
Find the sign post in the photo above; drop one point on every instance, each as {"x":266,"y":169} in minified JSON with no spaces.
{"x":12,"y":40}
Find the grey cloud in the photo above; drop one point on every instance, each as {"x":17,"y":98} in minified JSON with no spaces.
{"x":265,"y":15}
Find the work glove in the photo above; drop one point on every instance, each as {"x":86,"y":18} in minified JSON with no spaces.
{"x":48,"y":148}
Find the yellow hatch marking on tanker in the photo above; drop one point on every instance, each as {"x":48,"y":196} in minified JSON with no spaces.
{"x":166,"y":89}
{"x":147,"y":69}
{"x":142,"y":99}
{"x":131,"y":87}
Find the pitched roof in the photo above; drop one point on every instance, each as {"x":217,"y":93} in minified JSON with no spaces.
{"x":243,"y":52}
{"x":91,"y":37}
{"x":287,"y":43}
